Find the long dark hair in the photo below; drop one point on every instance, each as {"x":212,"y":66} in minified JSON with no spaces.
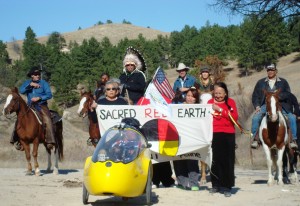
{"x":224,"y":86}
{"x":195,"y":94}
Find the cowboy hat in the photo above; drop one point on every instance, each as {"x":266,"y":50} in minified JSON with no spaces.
{"x":34,"y":69}
{"x":181,"y":66}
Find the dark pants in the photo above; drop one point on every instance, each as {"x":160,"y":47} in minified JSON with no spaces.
{"x":222,"y":169}
{"x":187,"y":172}
{"x":162,"y":172}
{"x":47,"y":122}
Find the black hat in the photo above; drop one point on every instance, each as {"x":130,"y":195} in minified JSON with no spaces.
{"x":204,"y":69}
{"x":33,"y":70}
{"x":132,"y":122}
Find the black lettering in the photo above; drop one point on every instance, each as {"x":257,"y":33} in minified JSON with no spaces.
{"x":180,"y":113}
{"x":191,"y":112}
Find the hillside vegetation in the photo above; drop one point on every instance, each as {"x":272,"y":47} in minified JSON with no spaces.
{"x":115,"y":32}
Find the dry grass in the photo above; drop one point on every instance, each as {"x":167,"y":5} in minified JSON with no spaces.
{"x":115,"y":32}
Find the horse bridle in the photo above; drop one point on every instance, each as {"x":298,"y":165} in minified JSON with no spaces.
{"x":18,"y":108}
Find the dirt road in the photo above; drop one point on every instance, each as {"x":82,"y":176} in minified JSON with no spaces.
{"x":65,"y":189}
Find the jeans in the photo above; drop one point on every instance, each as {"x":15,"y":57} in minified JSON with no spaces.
{"x":259,"y":115}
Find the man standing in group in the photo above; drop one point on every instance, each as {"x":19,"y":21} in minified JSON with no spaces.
{"x":133,"y":80}
{"x":38,"y":92}
{"x":271,"y":83}
{"x":184,"y":81}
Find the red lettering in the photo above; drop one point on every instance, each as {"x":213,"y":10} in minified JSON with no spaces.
{"x":153,"y":113}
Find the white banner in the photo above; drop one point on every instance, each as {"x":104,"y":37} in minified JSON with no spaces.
{"x":191,"y":126}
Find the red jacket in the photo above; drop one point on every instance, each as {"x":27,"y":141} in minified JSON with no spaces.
{"x":222,"y":121}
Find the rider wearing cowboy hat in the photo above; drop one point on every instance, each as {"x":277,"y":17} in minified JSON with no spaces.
{"x":271,"y":83}
{"x":38,"y":92}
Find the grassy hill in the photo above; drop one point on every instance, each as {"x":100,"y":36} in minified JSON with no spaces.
{"x":115,"y":32}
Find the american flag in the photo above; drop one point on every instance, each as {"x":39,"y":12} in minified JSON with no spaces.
{"x":162,"y":84}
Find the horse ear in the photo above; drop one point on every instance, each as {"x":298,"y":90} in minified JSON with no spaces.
{"x":14,"y":90}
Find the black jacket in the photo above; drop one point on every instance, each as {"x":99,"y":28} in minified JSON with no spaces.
{"x":258,"y":96}
{"x":134,"y":83}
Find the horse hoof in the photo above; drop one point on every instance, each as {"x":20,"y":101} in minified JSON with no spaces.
{"x":55,"y":172}
{"x":28,"y":173}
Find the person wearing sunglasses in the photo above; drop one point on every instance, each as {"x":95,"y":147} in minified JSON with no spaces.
{"x":38,"y":91}
{"x":112,"y":97}
{"x":132,"y":79}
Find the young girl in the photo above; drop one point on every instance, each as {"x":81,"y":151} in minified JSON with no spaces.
{"x":187,"y":171}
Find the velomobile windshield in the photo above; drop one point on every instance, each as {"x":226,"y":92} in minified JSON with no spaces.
{"x":119,"y":145}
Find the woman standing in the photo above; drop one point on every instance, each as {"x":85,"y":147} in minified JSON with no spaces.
{"x":187,"y":171}
{"x":223,"y":143}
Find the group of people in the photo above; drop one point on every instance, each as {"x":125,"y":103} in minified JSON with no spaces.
{"x":204,"y":90}
{"x":129,"y":88}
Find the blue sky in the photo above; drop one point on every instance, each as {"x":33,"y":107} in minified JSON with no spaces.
{"x":47,"y":16}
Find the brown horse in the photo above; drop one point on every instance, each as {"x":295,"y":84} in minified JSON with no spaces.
{"x":273,"y":135}
{"x":85,"y":110}
{"x":30,"y":130}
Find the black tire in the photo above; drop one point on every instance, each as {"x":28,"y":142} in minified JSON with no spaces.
{"x":149,"y":185}
{"x":85,"y":195}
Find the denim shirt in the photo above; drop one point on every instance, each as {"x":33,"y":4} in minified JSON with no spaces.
{"x":44,"y":92}
{"x":186,"y":83}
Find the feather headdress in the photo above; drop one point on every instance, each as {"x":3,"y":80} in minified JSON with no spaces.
{"x":133,"y":55}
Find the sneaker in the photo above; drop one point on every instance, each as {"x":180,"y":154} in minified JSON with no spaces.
{"x":214,"y":190}
{"x":155,"y":186}
{"x":254,"y":144}
{"x":227,"y":193}
{"x":293,"y":144}
{"x":195,"y":188}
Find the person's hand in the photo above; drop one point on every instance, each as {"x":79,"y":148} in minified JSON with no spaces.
{"x":93,"y":106}
{"x":35,"y":85}
{"x":257,"y":109}
{"x":35,"y":99}
{"x":216,"y":108}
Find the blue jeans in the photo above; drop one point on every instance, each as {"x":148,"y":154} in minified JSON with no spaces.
{"x":259,"y":115}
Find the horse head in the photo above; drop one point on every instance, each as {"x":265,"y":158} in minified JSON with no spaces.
{"x":272,"y":104}
{"x":86,"y":101}
{"x":12,"y":103}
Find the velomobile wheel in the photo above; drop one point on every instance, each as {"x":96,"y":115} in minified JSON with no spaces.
{"x":85,"y":195}
{"x":149,"y":186}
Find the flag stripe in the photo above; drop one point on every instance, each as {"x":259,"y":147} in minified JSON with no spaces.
{"x":163,"y":85}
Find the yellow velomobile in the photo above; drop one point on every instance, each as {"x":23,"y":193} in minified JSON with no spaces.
{"x":120,"y":165}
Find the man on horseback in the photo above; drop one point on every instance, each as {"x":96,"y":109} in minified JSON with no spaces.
{"x":272,"y":83}
{"x":38,"y":92}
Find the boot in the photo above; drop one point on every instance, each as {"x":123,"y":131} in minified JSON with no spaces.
{"x":293,"y":144}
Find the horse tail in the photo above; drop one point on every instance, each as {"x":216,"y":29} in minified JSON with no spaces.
{"x":59,"y":139}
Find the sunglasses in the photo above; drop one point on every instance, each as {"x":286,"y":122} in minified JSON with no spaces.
{"x":114,"y":89}
{"x":130,"y":65}
{"x":270,"y":70}
{"x":36,"y":74}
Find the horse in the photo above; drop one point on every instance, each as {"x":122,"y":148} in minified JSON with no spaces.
{"x":84,"y":110}
{"x":274,"y":135}
{"x":30,"y":130}
{"x":204,"y":97}
{"x":290,"y":160}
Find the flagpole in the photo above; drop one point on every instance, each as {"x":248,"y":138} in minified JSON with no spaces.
{"x":152,"y":80}
{"x":155,"y":73}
